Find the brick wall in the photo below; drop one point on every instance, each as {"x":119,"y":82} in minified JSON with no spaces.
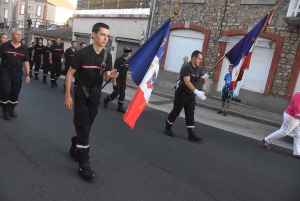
{"x":239,"y":17}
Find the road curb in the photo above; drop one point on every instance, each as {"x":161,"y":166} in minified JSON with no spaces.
{"x":214,"y":108}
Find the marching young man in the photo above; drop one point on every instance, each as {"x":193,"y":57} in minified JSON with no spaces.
{"x":90,"y":64}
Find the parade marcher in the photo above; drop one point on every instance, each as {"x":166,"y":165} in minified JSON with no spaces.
{"x":227,"y":92}
{"x":56,"y":52}
{"x":45,"y":60}
{"x":82,"y":45}
{"x":90,"y":63}
{"x":120,"y":87}
{"x":30,"y":50}
{"x":37,"y":52}
{"x":3,"y":38}
{"x":291,"y":117}
{"x":23,"y":42}
{"x":13,"y":55}
{"x":190,"y":74}
{"x":68,"y":55}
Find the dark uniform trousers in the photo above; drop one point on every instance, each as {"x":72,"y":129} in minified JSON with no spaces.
{"x":119,"y":90}
{"x":37,"y":64}
{"x":184,"y":100}
{"x":11,"y":83}
{"x":31,"y":65}
{"x":46,"y":67}
{"x":55,"y":69}
{"x":85,"y":111}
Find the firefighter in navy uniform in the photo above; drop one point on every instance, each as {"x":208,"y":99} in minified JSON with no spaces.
{"x":45,"y":60}
{"x":68,"y":56}
{"x":13,"y":55}
{"x":185,"y":94}
{"x":37,"y":52}
{"x":119,"y":89}
{"x":56,"y":52}
{"x":90,"y":64}
{"x":31,"y":61}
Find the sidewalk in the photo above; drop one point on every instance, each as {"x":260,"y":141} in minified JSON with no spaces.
{"x":236,"y":109}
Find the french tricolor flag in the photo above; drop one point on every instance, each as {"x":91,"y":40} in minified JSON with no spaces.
{"x":144,"y":65}
{"x":240,"y":54}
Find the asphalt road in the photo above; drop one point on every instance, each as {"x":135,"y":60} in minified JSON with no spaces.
{"x":139,"y":164}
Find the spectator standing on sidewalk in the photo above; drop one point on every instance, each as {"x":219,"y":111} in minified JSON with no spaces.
{"x":227,"y":92}
{"x":290,"y":124}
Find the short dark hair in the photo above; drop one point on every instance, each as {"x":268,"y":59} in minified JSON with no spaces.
{"x":196,"y":53}
{"x":99,"y":25}
{"x":57,"y":37}
{"x":73,"y":41}
{"x":41,"y":38}
{"x":82,"y":43}
{"x":22,"y":39}
{"x":32,"y":43}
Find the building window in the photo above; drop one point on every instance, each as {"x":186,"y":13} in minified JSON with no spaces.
{"x":38,"y":10}
{"x":29,"y":7}
{"x":22,"y":9}
{"x":5,"y":13}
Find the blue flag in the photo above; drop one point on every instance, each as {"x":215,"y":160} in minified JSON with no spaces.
{"x":241,"y":49}
{"x":140,"y":61}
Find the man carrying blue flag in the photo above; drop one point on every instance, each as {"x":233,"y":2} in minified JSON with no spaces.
{"x":120,"y":87}
{"x":185,"y":94}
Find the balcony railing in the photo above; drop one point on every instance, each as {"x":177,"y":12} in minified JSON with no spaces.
{"x":36,"y":24}
{"x":294,"y":9}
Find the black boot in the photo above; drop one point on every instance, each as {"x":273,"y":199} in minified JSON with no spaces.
{"x":30,"y":74}
{"x":52,"y":83}
{"x":168,"y":130}
{"x":55,"y":83}
{"x":120,"y":107}
{"x":36,"y":77}
{"x":85,"y":171}
{"x":192,"y":136}
{"x":12,"y":112}
{"x":106,"y":101}
{"x":44,"y":80}
{"x":6,"y":115}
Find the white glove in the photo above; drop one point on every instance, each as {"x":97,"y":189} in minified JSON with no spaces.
{"x":205,"y":76}
{"x":200,"y":94}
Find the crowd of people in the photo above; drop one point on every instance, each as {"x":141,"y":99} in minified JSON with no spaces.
{"x":92,"y":65}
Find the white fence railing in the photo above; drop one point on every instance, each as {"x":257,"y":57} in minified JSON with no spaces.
{"x":294,"y":8}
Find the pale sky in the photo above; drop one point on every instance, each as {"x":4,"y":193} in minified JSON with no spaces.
{"x":73,"y":2}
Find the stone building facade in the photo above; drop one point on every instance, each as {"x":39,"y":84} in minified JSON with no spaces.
{"x":216,"y":19}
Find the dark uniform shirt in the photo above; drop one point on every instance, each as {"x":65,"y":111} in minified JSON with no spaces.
{"x":57,"y":51}
{"x":11,"y":57}
{"x":68,"y":56}
{"x":123,"y":72}
{"x":30,"y":51}
{"x":188,"y":70}
{"x":45,"y":52}
{"x":38,"y":49}
{"x":87,"y":64}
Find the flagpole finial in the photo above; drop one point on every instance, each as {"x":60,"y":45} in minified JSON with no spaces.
{"x":175,"y":13}
{"x":275,"y":7}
